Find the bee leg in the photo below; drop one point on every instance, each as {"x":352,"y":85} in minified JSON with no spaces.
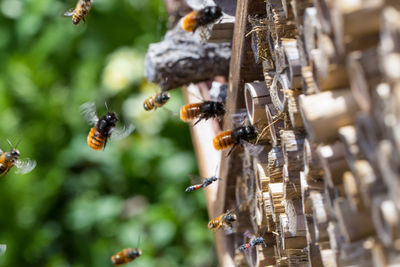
{"x":197,"y":121}
{"x":230,"y":151}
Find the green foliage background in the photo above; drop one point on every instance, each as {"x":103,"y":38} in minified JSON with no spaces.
{"x":78,"y":207}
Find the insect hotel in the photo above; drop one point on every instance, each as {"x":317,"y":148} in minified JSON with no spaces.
{"x":320,"y":81}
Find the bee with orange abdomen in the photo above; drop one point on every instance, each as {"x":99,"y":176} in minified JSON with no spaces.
{"x":202,"y":111}
{"x":80,"y":11}
{"x":225,"y":220}
{"x":11,"y":158}
{"x":234,"y":137}
{"x":155,"y":101}
{"x":202,"y":17}
{"x":103,"y":127}
{"x":125,"y":256}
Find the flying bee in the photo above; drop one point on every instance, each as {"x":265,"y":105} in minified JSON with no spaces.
{"x":232,"y":138}
{"x":225,"y":220}
{"x":206,"y":182}
{"x":155,"y":101}
{"x":11,"y":158}
{"x":125,"y":256}
{"x":103,"y":127}
{"x":202,"y":111}
{"x":254,"y":242}
{"x":202,"y":17}
{"x":81,"y":10}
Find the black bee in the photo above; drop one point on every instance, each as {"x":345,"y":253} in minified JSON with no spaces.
{"x":201,"y":17}
{"x":234,"y":137}
{"x":203,"y":111}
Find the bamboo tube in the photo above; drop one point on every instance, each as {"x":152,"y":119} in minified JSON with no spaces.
{"x":368,"y":182}
{"x":314,"y":255}
{"x":296,"y":217}
{"x":312,"y":165}
{"x":323,"y":15}
{"x":385,"y":217}
{"x":387,"y":167}
{"x":275,"y":124}
{"x":299,"y":7}
{"x":291,"y":186}
{"x":349,"y":222}
{"x":367,"y":136}
{"x":260,"y":166}
{"x":276,"y":199}
{"x":333,"y":162}
{"x":279,"y":84}
{"x":265,"y":256}
{"x":324,"y":113}
{"x":256,"y":97}
{"x":292,"y":149}
{"x":389,"y":46}
{"x":329,"y":258}
{"x":310,"y":85}
{"x":321,"y":216}
{"x":275,"y":165}
{"x":352,"y":192}
{"x":335,"y":239}
{"x":311,"y":29}
{"x":356,"y":24}
{"x":292,"y":59}
{"x":293,"y":108}
{"x":364,"y":75}
{"x":348,"y":136}
{"x":310,"y":229}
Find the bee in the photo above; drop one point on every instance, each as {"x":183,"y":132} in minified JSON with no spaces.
{"x":155,"y":101}
{"x":202,"y":17}
{"x":203,"y":111}
{"x":234,"y":137}
{"x":224,"y":220}
{"x":11,"y":158}
{"x":254,"y":242}
{"x":206,"y":182}
{"x":80,"y":11}
{"x":103,"y":127}
{"x":125,"y":256}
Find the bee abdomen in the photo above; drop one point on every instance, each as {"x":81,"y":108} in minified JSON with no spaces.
{"x":190,"y":112}
{"x":95,"y":139}
{"x":189,"y":21}
{"x":223,"y":140}
{"x":148,"y":104}
{"x":3,"y":169}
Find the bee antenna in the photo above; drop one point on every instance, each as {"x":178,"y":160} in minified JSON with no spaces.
{"x":8,"y":141}
{"x":19,"y":141}
{"x":105,"y":103}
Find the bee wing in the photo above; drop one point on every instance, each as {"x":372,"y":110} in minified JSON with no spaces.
{"x":2,"y":249}
{"x":239,"y":118}
{"x":88,"y":111}
{"x":196,"y":179}
{"x":25,"y":166}
{"x":119,"y":134}
{"x":69,"y":12}
{"x":254,"y":150}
